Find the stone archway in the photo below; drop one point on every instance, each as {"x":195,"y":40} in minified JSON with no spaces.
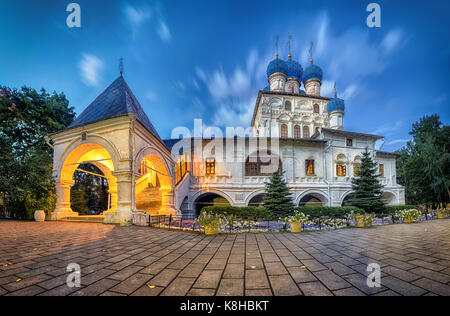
{"x":70,"y":160}
{"x":389,"y":198}
{"x":312,"y":198}
{"x":154,"y":190}
{"x":209,"y":199}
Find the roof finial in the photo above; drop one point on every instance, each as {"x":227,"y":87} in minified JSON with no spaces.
{"x":276,"y":46}
{"x":311,"y":52}
{"x":121,"y":66}
{"x":335,"y":90}
{"x":289,"y":44}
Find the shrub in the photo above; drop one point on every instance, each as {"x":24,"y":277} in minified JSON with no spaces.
{"x":408,"y":214}
{"x":234,"y":211}
{"x":207,"y":219}
{"x":329,"y":211}
{"x":392,"y":209}
{"x":298,"y":217}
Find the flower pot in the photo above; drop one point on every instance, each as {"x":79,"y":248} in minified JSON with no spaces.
{"x":441,"y":215}
{"x":296,"y":227}
{"x":408,"y":220}
{"x":39,"y":216}
{"x":211,"y":230}
{"x":360,"y":223}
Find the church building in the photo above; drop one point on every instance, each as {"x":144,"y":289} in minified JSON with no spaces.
{"x":294,"y":131}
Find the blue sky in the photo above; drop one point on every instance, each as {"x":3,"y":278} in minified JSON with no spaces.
{"x":207,"y":59}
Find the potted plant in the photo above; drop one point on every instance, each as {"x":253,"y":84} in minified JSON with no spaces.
{"x":442,"y":213}
{"x":295,"y":221}
{"x":211,"y":222}
{"x":408,"y":216}
{"x":363,"y":219}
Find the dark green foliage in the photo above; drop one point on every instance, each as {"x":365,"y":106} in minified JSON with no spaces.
{"x":424,"y":163}
{"x":89,"y":194}
{"x":330,"y":211}
{"x":278,"y":198}
{"x":246,"y":212}
{"x":27,"y":116}
{"x":367,"y":188}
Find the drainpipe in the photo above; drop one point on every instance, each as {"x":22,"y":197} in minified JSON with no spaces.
{"x":325,"y":172}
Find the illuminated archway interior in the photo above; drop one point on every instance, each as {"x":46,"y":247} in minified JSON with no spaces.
{"x":88,"y":153}
{"x":153,"y":187}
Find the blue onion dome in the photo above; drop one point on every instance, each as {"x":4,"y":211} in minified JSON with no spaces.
{"x":312,"y":72}
{"x":294,"y":69}
{"x":266,"y":88}
{"x":336,"y":105}
{"x":276,"y":66}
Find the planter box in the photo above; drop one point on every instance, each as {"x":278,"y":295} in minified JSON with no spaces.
{"x":296,"y":227}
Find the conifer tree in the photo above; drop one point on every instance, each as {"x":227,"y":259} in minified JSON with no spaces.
{"x":278,"y":199}
{"x":367,"y":188}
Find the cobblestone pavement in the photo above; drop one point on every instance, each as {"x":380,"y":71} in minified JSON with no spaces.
{"x":414,"y":260}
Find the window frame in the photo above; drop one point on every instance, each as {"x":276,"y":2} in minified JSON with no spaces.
{"x":344,"y":170}
{"x":310,"y":162}
{"x":210,"y":166}
{"x":284,"y":133}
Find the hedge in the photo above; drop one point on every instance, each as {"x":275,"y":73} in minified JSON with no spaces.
{"x":329,"y":211}
{"x":248,"y":212}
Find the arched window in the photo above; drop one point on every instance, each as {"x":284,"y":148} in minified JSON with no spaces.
{"x":306,"y":132}
{"x":287,"y":106}
{"x":284,"y":131}
{"x":263,"y":164}
{"x":341,"y":170}
{"x":316,"y":109}
{"x":297,"y":131}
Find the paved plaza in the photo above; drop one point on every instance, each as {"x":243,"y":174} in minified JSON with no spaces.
{"x":414,"y":260}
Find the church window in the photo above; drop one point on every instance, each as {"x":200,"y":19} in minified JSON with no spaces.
{"x":381,"y":168}
{"x":316,"y":109}
{"x":341,"y":170}
{"x":210,"y":166}
{"x":356,"y":171}
{"x":306,"y":132}
{"x":349,"y":142}
{"x":309,"y":167}
{"x":263,"y":166}
{"x":287,"y":106}
{"x":284,"y":131}
{"x":297,"y":132}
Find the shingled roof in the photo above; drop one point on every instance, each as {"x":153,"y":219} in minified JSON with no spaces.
{"x":116,"y":100}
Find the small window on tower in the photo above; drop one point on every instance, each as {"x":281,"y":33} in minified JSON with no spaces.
{"x":309,"y":166}
{"x":316,"y":109}
{"x":381,"y":167}
{"x":287,"y":106}
{"x":210,"y":166}
{"x":349,"y":142}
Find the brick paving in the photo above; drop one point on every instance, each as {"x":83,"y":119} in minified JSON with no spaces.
{"x":115,"y":261}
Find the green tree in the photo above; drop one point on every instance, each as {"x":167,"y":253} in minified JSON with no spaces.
{"x":278,"y":198}
{"x":424,"y":163}
{"x":367,"y":188}
{"x":26,"y":117}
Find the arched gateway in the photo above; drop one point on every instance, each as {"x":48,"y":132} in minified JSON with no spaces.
{"x":114,"y":134}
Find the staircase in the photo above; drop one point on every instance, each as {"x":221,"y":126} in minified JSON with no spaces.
{"x":149,"y":199}
{"x":85,"y":219}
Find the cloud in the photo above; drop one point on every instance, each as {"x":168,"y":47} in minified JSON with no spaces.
{"x":90,"y":67}
{"x":392,"y":40}
{"x":135,"y":17}
{"x":388,"y":129}
{"x":163,"y":31}
{"x":398,"y":141}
